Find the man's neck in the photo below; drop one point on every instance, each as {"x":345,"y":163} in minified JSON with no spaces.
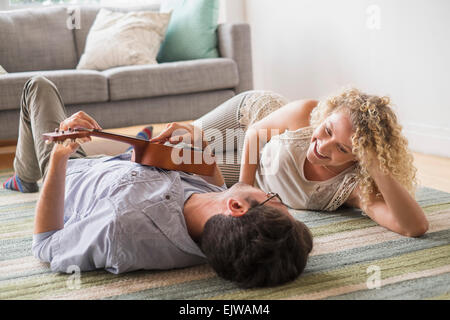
{"x":198,"y":209}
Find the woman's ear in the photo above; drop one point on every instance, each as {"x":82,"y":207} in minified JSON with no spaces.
{"x":236,"y":207}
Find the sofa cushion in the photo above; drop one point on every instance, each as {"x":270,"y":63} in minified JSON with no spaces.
{"x":75,"y":86}
{"x":132,"y":82}
{"x":152,"y":110}
{"x":124,"y":39}
{"x":36,"y":39}
{"x":87,"y":15}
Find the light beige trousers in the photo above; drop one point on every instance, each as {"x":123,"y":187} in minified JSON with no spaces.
{"x":41,"y":111}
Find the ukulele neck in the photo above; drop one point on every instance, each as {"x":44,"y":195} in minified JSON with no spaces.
{"x":135,"y":142}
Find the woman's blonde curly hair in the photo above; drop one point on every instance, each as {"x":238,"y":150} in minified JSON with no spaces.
{"x":376,"y":132}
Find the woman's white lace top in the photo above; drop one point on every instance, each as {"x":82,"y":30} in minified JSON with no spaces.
{"x":281,"y":170}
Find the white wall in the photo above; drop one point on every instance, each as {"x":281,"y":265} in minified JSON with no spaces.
{"x":399,"y":48}
{"x":232,"y":11}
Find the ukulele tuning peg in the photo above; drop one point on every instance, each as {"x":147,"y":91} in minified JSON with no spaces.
{"x":70,"y":129}
{"x":56,"y":129}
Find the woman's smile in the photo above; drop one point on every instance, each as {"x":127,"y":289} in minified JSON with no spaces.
{"x":317,"y":153}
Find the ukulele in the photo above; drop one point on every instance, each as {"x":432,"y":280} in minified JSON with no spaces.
{"x":187,"y":159}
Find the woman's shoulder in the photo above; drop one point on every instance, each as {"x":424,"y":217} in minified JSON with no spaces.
{"x":303,"y":108}
{"x":291,"y":116}
{"x":299,"y":125}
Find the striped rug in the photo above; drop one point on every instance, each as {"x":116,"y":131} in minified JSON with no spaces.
{"x":353,"y":258}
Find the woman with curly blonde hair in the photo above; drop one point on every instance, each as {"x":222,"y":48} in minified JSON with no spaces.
{"x":347,"y":149}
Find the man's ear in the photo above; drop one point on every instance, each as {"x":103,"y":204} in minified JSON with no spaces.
{"x":236,"y":207}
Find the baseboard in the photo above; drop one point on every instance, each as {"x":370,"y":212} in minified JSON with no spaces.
{"x":428,"y":139}
{"x":8,"y":143}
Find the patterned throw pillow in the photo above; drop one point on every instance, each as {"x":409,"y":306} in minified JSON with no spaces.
{"x":124,"y":38}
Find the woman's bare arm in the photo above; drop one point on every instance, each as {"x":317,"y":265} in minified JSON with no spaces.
{"x":396,"y":210}
{"x":292,"y":116}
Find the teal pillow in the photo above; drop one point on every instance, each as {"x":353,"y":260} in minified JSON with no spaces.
{"x":191,"y":33}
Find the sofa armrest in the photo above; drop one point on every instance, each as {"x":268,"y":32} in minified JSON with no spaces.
{"x":234,"y":42}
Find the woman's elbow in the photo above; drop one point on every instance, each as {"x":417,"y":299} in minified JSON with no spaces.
{"x":418,"y":231}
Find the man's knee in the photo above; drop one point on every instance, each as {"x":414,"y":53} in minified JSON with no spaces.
{"x":35,"y":87}
{"x":39,"y":82}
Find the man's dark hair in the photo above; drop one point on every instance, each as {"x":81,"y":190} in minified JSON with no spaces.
{"x":264,"y":247}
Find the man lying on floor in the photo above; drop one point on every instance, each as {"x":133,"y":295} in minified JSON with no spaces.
{"x":112,"y":213}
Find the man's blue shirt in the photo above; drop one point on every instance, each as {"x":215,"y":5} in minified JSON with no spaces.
{"x":122,"y":216}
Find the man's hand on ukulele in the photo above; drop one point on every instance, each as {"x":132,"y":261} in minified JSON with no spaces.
{"x":176,"y":132}
{"x":79,"y":120}
{"x":65,"y":149}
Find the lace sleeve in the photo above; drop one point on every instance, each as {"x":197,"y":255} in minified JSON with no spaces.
{"x":258,"y":105}
{"x":343,"y":192}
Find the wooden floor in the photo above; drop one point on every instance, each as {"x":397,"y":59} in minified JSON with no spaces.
{"x":433,"y":171}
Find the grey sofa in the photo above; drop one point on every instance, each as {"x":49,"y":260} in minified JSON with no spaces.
{"x":39,"y":42}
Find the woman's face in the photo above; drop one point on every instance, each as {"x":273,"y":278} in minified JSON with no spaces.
{"x":331,"y":143}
